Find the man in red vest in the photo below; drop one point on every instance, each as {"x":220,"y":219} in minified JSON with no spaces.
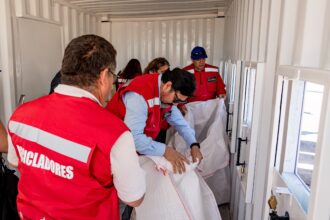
{"x":146,"y":101}
{"x":74,"y":156}
{"x":209,"y":83}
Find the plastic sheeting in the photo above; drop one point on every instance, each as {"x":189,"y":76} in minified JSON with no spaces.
{"x":175,"y":196}
{"x":208,"y":118}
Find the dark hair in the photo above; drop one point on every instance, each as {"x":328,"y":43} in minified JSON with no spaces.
{"x":55,"y":82}
{"x":132,"y":70}
{"x":182,"y":81}
{"x":155,"y":64}
{"x":84,"y":58}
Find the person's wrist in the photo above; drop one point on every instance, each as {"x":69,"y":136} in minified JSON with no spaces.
{"x":196,"y":145}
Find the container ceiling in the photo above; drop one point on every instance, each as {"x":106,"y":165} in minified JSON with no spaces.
{"x":137,"y":8}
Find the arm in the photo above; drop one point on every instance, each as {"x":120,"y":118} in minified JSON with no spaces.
{"x":12,"y":156}
{"x":128,"y":176}
{"x":135,"y":119}
{"x":3,"y":139}
{"x":176,"y":119}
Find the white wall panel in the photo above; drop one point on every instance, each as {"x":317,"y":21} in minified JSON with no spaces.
{"x":57,"y":12}
{"x":326,"y":39}
{"x":305,"y":29}
{"x":45,"y":9}
{"x":313,"y":32}
{"x":7,"y":79}
{"x":72,"y":22}
{"x":249,"y":27}
{"x":34,"y":7}
{"x":169,"y":38}
{"x":289,"y":30}
{"x":66,"y":24}
{"x":246,"y":30}
{"x":218,"y":39}
{"x":294,"y":33}
{"x":255,"y":29}
{"x":298,"y":38}
{"x":75,"y":21}
{"x":263,"y":30}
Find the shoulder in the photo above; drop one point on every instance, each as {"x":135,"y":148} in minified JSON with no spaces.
{"x":107,"y":124}
{"x":189,"y":67}
{"x":211,"y":68}
{"x":110,"y":118}
{"x":31,"y":107}
{"x":145,"y":85}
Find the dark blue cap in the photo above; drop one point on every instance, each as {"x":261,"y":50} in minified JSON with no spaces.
{"x":198,"y":53}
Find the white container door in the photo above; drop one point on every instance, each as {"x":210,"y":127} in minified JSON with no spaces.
{"x":251,"y":78}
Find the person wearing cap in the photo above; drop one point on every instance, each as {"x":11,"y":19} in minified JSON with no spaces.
{"x":209,"y":84}
{"x":75,"y":157}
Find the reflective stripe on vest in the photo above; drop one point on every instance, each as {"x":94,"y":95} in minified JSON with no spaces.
{"x":153,"y":102}
{"x":209,"y":69}
{"x":122,"y":80}
{"x":50,"y":141}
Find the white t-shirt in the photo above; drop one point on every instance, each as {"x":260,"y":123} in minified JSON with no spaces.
{"x":128,"y":176}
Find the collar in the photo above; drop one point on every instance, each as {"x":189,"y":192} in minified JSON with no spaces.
{"x":75,"y":92}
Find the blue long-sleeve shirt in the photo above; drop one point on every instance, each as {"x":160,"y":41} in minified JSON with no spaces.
{"x":136,"y":117}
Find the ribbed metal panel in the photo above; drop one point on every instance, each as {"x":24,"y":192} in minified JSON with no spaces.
{"x":75,"y":22}
{"x":246,"y":30}
{"x":171,"y":38}
{"x":303,"y":32}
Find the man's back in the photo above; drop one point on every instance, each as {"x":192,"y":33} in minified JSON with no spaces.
{"x":55,"y":134}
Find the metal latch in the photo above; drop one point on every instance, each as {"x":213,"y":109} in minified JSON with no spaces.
{"x":272,"y":202}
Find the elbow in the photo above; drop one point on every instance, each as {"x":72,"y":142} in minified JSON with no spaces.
{"x":3,"y":148}
{"x":135,"y":203}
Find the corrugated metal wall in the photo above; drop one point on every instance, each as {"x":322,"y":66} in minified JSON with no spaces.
{"x":170,"y":38}
{"x":145,"y":39}
{"x":246,"y":30}
{"x":304,"y":32}
{"x":305,"y":39}
{"x":294,"y":33}
{"x":75,"y":22}
{"x":72,"y":21}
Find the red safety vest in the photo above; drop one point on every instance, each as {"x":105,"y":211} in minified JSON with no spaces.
{"x":147,"y":87}
{"x":122,"y":81}
{"x":63,"y":144}
{"x":209,"y":83}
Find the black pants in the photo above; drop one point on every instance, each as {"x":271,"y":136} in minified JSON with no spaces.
{"x":127,"y":213}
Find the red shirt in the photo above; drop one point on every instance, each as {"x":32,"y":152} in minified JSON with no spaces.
{"x":209,"y":83}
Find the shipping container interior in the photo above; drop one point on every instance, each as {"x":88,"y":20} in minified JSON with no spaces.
{"x":274,"y":57}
